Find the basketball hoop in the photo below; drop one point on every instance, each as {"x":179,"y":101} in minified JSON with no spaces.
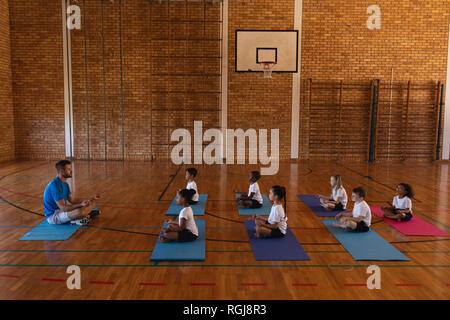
{"x":267,"y":67}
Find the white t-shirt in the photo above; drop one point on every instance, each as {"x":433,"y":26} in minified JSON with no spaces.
{"x":362,"y":209}
{"x":193,"y":185}
{"x":277,"y":215}
{"x":336,"y":193}
{"x":402,"y":203}
{"x":188,"y":214}
{"x":254,"y":187}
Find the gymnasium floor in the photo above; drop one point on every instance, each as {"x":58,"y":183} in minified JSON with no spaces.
{"x":114,"y":250}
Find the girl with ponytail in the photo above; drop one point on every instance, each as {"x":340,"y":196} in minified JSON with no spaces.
{"x":185,"y":229}
{"x":275,"y":226}
{"x":338,"y":199}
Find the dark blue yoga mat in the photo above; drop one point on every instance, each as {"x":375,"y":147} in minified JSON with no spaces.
{"x":182,"y":251}
{"x":46,"y":231}
{"x":365,"y":245}
{"x":263,"y":211}
{"x":198,"y":208}
{"x":275,"y":249}
{"x":313,"y":203}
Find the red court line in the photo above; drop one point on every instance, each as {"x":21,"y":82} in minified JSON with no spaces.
{"x":253,"y":284}
{"x":355,"y":285}
{"x":101,"y":282}
{"x":408,"y":285}
{"x":151,"y":284}
{"x":53,"y":280}
{"x":203,"y":284}
{"x":448,"y":284}
{"x":20,"y":194}
{"x":305,"y":284}
{"x":103,"y":205}
{"x":9,"y":276}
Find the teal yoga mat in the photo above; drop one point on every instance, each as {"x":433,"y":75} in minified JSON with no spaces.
{"x":365,"y":245}
{"x":198,"y":208}
{"x":46,"y":231}
{"x":182,"y":251}
{"x":263,"y":211}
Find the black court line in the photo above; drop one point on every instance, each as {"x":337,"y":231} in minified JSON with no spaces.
{"x":223,"y":218}
{"x":18,"y":207}
{"x":21,"y":170}
{"x":169,"y":183}
{"x":413,"y":241}
{"x":372,"y":179}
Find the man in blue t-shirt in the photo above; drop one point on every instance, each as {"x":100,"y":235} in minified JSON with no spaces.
{"x":59,"y":205}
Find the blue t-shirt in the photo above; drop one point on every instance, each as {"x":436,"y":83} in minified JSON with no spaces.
{"x":55,"y":191}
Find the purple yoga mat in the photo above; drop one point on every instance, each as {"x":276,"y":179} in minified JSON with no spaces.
{"x":413,"y":227}
{"x":275,"y":249}
{"x":313,"y":203}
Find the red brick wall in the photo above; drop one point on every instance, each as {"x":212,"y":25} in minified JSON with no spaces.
{"x":255,"y":102}
{"x":153,"y":75}
{"x":6,"y":105}
{"x":38,"y":80}
{"x":336,"y":45}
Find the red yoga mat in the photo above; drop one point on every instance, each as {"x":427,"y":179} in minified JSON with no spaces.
{"x":413,"y":227}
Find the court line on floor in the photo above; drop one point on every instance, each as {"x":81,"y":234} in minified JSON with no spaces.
{"x":101,"y":282}
{"x":21,"y":170}
{"x":151,"y":284}
{"x":247,"y":241}
{"x":53,"y":280}
{"x":103,"y":205}
{"x":223,"y":265}
{"x":372,"y":179}
{"x":169,"y":183}
{"x":209,"y":251}
{"x":153,"y":234}
{"x":9,"y":276}
{"x":18,"y":207}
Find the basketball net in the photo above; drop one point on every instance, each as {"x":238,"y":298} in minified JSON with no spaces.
{"x":267,"y":67}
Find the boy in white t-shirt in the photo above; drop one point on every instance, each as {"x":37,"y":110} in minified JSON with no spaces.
{"x":338,"y":200}
{"x":359,"y":220}
{"x":253,"y":199}
{"x":185,"y":230}
{"x":191,"y":173}
{"x":401,"y":205}
{"x":275,"y":226}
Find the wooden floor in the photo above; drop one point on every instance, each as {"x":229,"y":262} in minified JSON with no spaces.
{"x":115,"y":263}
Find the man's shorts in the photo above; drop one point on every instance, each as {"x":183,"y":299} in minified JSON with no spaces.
{"x":58,"y":218}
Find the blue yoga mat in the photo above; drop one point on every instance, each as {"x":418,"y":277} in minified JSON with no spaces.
{"x":178,"y":251}
{"x":275,"y":249}
{"x":46,"y":231}
{"x":365,"y":245}
{"x":263,"y":211}
{"x":314,"y":204}
{"x":199,"y":208}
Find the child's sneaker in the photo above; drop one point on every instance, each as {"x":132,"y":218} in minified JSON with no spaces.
{"x":81,"y":222}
